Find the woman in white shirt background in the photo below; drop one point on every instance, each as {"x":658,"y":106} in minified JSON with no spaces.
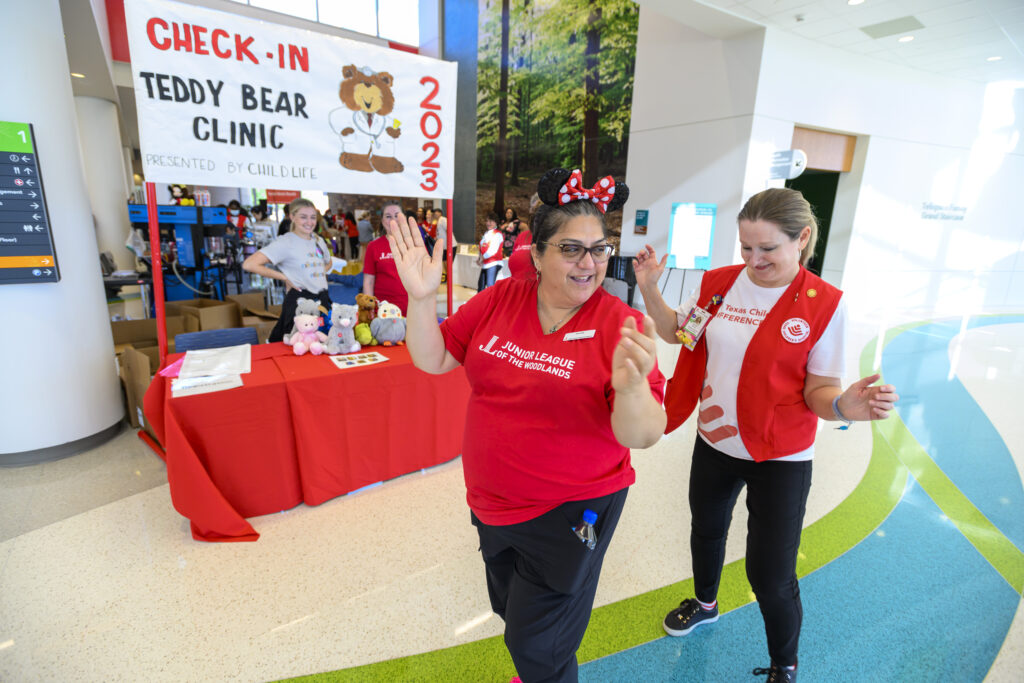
{"x":491,"y":255}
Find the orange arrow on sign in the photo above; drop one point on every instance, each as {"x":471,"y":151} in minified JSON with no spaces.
{"x":24,"y":261}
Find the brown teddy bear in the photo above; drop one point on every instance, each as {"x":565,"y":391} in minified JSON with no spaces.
{"x":367,"y":141}
{"x":367,"y":307}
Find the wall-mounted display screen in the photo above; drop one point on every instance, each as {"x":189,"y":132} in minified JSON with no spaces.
{"x":691,"y":231}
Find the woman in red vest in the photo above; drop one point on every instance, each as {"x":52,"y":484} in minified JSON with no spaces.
{"x":763,"y":352}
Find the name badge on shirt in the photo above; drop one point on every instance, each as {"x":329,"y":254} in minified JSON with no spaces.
{"x":690,"y":333}
{"x":582,"y":334}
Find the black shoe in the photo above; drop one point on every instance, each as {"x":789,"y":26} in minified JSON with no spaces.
{"x":688,"y":616}
{"x":777,"y":674}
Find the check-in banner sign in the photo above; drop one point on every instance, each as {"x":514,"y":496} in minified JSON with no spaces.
{"x":236,"y":102}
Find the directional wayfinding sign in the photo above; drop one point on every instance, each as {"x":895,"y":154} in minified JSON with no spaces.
{"x":26,"y":243}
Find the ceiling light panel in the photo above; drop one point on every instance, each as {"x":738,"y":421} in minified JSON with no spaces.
{"x":893,"y":27}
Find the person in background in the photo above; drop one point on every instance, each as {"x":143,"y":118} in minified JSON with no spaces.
{"x":286,"y":223}
{"x":302,"y":260}
{"x":763,"y":353}
{"x":424,"y":224}
{"x":365,"y":228}
{"x":380,"y":278}
{"x":490,"y":256}
{"x":509,"y":231}
{"x":329,"y":235}
{"x":591,"y":392}
{"x":351,"y":231}
{"x":520,"y":263}
{"x":262,"y":227}
{"x":237,"y":217}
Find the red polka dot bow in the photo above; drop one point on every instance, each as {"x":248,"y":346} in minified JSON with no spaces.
{"x":600,"y":194}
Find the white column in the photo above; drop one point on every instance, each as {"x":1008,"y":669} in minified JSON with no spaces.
{"x":59,"y":383}
{"x":103,"y":158}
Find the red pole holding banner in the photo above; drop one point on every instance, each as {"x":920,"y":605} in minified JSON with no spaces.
{"x":448,"y":249}
{"x":158,"y":272}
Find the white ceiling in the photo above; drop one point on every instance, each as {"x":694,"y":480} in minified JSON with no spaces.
{"x":957,"y":39}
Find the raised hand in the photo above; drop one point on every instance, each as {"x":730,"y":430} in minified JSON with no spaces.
{"x":647,"y":267}
{"x":634,"y":356}
{"x":863,"y":402}
{"x":419,"y":271}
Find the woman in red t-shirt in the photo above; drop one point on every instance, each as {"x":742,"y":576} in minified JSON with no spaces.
{"x":571,"y":363}
{"x":380,"y":278}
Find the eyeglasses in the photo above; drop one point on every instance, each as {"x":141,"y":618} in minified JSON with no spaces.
{"x":573,"y":252}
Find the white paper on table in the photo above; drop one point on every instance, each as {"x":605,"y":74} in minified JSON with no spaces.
{"x":187,"y":386}
{"x":228,"y":360}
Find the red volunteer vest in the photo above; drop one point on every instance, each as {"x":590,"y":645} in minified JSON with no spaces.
{"x":494,"y":258}
{"x":773,"y":418}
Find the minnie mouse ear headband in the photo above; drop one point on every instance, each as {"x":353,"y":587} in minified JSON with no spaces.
{"x":559,"y":186}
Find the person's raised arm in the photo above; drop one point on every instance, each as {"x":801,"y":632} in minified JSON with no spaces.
{"x":421,"y":276}
{"x":648,"y":271}
{"x":638,"y":419}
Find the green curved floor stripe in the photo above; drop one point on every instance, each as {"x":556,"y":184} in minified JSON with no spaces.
{"x":986,"y":538}
{"x":637,"y":620}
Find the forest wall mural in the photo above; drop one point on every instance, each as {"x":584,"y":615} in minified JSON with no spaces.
{"x":555,"y":86}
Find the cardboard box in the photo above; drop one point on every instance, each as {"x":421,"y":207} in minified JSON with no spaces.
{"x":137,"y":372}
{"x":263,"y":327}
{"x":138,"y":357}
{"x":142,"y":333}
{"x":205,"y":314}
{"x":252,"y":305}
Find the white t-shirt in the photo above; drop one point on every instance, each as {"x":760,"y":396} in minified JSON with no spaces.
{"x":728,"y":335}
{"x":303,"y":262}
{"x":490,"y":245}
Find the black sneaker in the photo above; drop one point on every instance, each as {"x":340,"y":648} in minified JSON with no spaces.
{"x":777,"y":674}
{"x":688,"y":616}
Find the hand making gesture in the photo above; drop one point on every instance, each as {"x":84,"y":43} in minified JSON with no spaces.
{"x":863,"y":402}
{"x":647,"y":268}
{"x":634,"y":356}
{"x":419,"y":271}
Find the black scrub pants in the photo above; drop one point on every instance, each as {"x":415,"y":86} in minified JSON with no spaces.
{"x":287,"y":317}
{"x":542,"y":579}
{"x":776,"y":502}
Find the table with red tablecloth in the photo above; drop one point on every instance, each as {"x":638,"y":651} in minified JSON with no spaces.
{"x":300,"y":430}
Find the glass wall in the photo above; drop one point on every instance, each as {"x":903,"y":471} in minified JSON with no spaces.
{"x":396,"y":20}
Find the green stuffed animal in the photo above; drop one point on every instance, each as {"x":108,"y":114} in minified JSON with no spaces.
{"x":364,"y":336}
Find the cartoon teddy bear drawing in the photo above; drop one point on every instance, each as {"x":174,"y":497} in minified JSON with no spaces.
{"x":367,"y":141}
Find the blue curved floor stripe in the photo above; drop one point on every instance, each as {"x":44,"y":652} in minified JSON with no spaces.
{"x":951,"y":427}
{"x":915,"y":604}
{"x":912,"y":602}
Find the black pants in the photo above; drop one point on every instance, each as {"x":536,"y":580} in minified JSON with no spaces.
{"x":776,"y":502}
{"x":542,"y":579}
{"x":284,"y":323}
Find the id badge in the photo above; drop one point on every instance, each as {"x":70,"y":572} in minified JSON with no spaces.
{"x":690,"y":333}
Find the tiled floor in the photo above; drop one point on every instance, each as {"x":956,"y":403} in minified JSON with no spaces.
{"x":100,"y":579}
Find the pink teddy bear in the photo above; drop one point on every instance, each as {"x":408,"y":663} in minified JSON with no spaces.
{"x":307,"y":336}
